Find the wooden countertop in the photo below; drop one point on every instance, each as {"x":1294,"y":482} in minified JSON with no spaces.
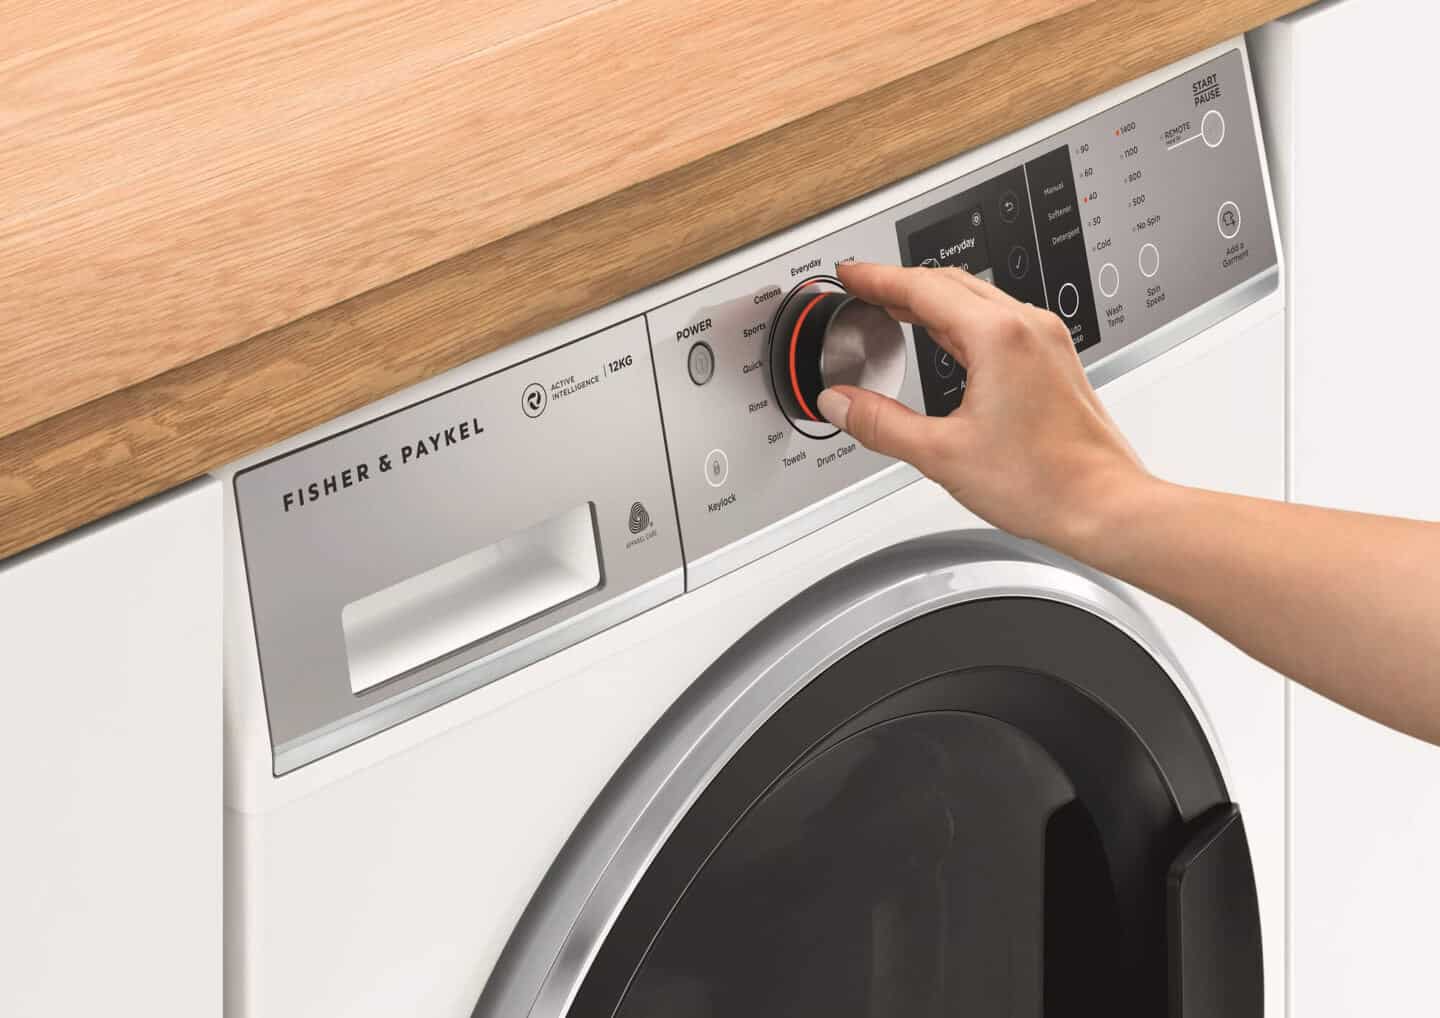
{"x":222,"y":224}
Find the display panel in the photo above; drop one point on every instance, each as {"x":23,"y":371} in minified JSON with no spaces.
{"x":957,"y":242}
{"x":1031,"y":214}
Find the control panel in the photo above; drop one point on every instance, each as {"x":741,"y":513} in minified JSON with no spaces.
{"x":748,"y":449}
{"x":466,"y":532}
{"x":994,"y":230}
{"x":1122,"y":225}
{"x":398,"y":564}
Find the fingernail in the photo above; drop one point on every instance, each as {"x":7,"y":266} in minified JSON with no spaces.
{"x":834,"y":407}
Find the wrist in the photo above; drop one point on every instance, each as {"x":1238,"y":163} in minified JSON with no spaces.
{"x":1107,"y":523}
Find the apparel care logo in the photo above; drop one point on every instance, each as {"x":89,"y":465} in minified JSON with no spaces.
{"x":359,"y":473}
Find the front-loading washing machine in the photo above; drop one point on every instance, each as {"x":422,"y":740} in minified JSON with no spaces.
{"x":599,"y":677}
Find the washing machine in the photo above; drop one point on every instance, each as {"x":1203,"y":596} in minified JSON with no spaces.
{"x":598,"y":677}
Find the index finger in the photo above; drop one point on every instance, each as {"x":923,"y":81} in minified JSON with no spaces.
{"x":958,"y":319}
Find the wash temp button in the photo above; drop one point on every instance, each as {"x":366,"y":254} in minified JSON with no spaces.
{"x":1109,"y":279}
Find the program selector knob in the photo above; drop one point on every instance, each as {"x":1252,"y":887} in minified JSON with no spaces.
{"x":823,"y":336}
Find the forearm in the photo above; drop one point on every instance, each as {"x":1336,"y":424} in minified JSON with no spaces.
{"x":1346,"y":603}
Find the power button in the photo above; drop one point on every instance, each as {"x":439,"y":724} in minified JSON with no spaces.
{"x":701,"y":363}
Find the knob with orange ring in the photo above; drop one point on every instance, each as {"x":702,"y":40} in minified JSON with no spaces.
{"x":823,"y":336}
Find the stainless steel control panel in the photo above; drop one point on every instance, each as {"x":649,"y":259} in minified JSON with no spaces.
{"x":1138,"y":216}
{"x":1123,"y":225}
{"x":740,"y":466}
{"x":400,"y":563}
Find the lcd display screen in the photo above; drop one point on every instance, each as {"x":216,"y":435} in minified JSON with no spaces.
{"x":956,"y":242}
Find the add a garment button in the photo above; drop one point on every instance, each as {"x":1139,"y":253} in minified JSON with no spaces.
{"x":717,"y":468}
{"x":1228,"y":220}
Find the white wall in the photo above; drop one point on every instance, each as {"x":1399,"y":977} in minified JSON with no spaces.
{"x":1346,"y":98}
{"x":110,"y":757}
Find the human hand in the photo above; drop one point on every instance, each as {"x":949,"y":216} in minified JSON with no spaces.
{"x":1031,"y":449}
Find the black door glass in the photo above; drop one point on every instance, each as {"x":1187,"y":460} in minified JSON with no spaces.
{"x":1001,"y":808}
{"x":903,"y":871}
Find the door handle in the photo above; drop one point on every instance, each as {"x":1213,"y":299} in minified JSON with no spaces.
{"x":1213,"y":922}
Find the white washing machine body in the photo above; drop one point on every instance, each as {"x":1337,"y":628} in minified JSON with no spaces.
{"x":380,"y":856}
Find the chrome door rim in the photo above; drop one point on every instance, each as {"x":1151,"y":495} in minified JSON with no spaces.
{"x":557,"y":939}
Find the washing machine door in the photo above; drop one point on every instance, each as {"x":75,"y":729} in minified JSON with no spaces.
{"x":994,"y":799}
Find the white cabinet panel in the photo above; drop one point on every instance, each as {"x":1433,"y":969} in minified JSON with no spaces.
{"x":110,"y":766}
{"x":1345,"y":97}
{"x":1364,"y":865}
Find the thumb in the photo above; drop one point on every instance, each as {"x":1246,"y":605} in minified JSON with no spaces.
{"x":882,"y":424}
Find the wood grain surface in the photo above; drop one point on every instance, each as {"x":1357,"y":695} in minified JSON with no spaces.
{"x":180,"y":176}
{"x":122,"y":447}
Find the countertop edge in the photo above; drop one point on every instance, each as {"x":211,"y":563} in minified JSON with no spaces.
{"x":116,"y":451}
